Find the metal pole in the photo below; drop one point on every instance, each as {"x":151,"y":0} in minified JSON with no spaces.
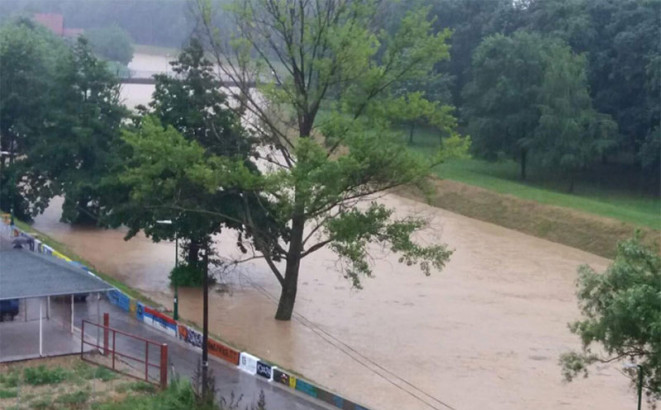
{"x":640,"y":386}
{"x":12,"y":182}
{"x":72,"y":319}
{"x":41,"y":331}
{"x":106,"y":324}
{"x":146,"y":360}
{"x":175,"y":313}
{"x":164,"y":366}
{"x":98,"y":320}
{"x":48,"y":308}
{"x":205,"y":322}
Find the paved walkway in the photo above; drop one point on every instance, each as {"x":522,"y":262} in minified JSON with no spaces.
{"x":19,"y":339}
{"x":184,"y":359}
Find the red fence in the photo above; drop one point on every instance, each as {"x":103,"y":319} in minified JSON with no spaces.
{"x":125,"y":353}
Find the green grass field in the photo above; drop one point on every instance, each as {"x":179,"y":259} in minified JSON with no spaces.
{"x":610,"y":194}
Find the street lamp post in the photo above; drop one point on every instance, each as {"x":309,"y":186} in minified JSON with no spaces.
{"x":175,"y":312}
{"x":640,"y":381}
{"x":12,"y":184}
{"x":205,"y":324}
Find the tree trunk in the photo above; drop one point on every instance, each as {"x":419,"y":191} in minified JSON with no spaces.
{"x":193,"y":252}
{"x":524,"y":154}
{"x":290,"y":285}
{"x":571,"y":183}
{"x":287,"y":296}
{"x":411,"y":129}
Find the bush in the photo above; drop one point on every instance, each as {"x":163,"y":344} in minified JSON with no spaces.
{"x":8,"y":394}
{"x":112,"y":43}
{"x":43,"y":403}
{"x":40,"y":375}
{"x":74,"y":400}
{"x":187,"y":275}
{"x":143,"y":387}
{"x":10,"y":379}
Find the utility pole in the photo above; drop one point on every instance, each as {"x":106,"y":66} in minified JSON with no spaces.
{"x":639,"y":368}
{"x":640,"y":386}
{"x":12,"y":182}
{"x":175,"y":313}
{"x":205,"y":322}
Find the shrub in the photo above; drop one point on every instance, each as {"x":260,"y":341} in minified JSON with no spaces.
{"x":42,"y":375}
{"x":104,"y":374}
{"x":187,"y":275}
{"x":136,"y":387}
{"x":8,"y":394}
{"x":74,"y":400}
{"x":10,"y":379}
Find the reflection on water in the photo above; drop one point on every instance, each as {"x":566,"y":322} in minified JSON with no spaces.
{"x":494,"y":318}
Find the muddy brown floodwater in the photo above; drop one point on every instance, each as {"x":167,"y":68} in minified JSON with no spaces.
{"x":485,"y":333}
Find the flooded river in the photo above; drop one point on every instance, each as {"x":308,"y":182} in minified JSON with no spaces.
{"x":485,"y":333}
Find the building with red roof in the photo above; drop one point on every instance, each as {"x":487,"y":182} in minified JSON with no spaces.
{"x":55,"y":23}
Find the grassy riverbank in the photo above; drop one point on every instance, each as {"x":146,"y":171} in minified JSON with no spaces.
{"x":610,"y":192}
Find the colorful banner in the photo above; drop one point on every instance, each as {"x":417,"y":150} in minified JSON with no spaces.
{"x":265,"y":370}
{"x":248,"y":363}
{"x":120,"y":300}
{"x":223,"y":352}
{"x":139,"y":311}
{"x":190,"y":336}
{"x":159,"y":321}
{"x":306,"y":388}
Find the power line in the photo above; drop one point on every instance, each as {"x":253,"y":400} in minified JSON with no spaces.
{"x":325,"y":336}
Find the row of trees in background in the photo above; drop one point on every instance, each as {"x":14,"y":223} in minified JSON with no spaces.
{"x":606,"y":49}
{"x":612,"y":47}
{"x":529,"y":94}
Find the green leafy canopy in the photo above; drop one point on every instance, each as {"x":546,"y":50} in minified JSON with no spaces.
{"x":622,"y":315}
{"x":330,"y":84}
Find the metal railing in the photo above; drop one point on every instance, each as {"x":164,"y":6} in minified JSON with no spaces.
{"x":115,"y":352}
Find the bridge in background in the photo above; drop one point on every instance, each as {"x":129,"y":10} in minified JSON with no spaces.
{"x":147,"y":78}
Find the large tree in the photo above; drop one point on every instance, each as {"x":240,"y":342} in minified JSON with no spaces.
{"x":621,"y":43}
{"x":624,"y":67}
{"x":322,"y":117}
{"x":471,"y":21}
{"x":529,"y":97}
{"x":111,"y":43}
{"x":77,"y":147}
{"x":621,"y":321}
{"x":570,"y":134}
{"x":501,"y":101}
{"x":188,"y":111}
{"x":28,"y":58}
